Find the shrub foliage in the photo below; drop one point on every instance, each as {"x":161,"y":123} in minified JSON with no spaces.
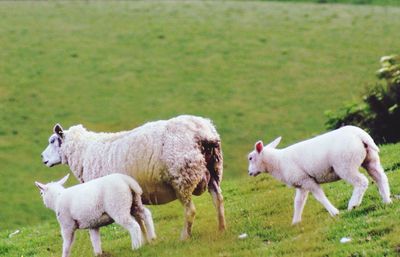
{"x":379,"y":111}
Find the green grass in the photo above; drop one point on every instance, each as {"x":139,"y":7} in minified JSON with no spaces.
{"x":258,"y":69}
{"x":260,"y":207}
{"x":357,"y":2}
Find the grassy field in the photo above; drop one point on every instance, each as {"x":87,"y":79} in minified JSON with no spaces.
{"x":260,"y":207}
{"x":258,"y":69}
{"x":357,"y":2}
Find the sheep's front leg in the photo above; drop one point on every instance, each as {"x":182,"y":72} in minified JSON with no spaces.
{"x":68,"y":238}
{"x":299,"y":202}
{"x":218,"y":201}
{"x":96,"y":242}
{"x":319,"y":194}
{"x":190,"y":213}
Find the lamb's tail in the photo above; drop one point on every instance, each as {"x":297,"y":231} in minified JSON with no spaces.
{"x":134,"y":185}
{"x":367,"y":140}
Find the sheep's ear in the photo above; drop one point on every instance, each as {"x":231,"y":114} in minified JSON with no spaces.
{"x":259,"y":146}
{"x":40,"y":186}
{"x":274,"y":143}
{"x":58,"y":130}
{"x":63,"y":180}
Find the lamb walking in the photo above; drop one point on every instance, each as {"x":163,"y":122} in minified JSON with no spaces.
{"x":326,"y":158}
{"x":98,"y":203}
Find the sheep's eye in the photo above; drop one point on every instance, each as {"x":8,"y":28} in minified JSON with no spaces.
{"x":52,"y":140}
{"x":250,"y":158}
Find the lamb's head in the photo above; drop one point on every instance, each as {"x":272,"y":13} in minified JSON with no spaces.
{"x":51,"y":155}
{"x":259,"y":157}
{"x":50,"y":191}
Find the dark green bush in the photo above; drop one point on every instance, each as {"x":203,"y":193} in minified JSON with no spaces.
{"x":379,"y":111}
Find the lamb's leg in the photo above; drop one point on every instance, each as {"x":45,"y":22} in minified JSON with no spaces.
{"x":130,"y":224}
{"x":96,"y":242}
{"x":190,"y":213}
{"x":148,"y":220}
{"x":218,"y":201}
{"x":139,"y":212}
{"x":377,"y":173}
{"x":359,"y":182}
{"x":299,"y":202}
{"x":319,"y":194}
{"x":68,"y":238}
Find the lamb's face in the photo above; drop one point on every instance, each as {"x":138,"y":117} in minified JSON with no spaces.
{"x":50,"y":191}
{"x":51,"y":155}
{"x":255,"y":160}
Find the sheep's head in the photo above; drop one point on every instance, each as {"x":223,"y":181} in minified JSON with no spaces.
{"x":256,"y":159}
{"x":50,"y":191}
{"x":51,"y":155}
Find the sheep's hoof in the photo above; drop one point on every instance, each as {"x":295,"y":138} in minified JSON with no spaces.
{"x":185,"y":236}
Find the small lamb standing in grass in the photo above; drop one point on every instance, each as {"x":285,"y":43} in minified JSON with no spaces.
{"x":326,"y":158}
{"x":98,"y":203}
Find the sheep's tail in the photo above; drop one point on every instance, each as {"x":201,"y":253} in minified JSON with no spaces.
{"x":367,"y":140}
{"x":211,"y":149}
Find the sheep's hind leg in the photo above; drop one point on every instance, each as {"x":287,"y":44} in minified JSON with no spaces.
{"x":218,"y":201}
{"x":319,"y":194}
{"x":299,"y":202}
{"x":377,"y":173}
{"x":96,"y":242}
{"x":190,"y":213}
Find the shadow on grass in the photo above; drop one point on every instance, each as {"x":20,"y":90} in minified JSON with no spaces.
{"x":360,"y":211}
{"x":393,"y":167}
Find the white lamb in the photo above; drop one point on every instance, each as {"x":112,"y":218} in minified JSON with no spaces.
{"x":326,"y":158}
{"x":98,"y":203}
{"x":170,"y":159}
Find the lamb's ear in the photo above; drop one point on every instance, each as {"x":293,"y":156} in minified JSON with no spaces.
{"x":259,"y":146}
{"x":40,"y":185}
{"x":274,"y":143}
{"x":63,"y":180}
{"x":58,"y":130}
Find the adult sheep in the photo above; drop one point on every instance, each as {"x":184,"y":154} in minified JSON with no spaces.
{"x":170,"y":159}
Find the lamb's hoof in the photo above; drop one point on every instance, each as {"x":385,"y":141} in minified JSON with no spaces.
{"x":387,"y":201}
{"x":334,"y":212}
{"x":295,"y":222}
{"x":136,"y":244}
{"x":352,"y":207}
